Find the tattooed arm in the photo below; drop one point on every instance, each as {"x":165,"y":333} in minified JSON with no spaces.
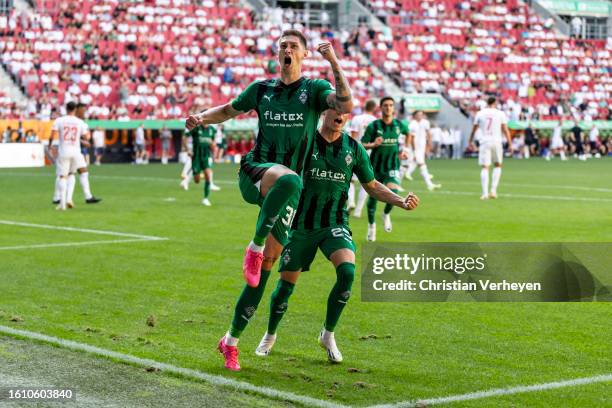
{"x":341,"y":100}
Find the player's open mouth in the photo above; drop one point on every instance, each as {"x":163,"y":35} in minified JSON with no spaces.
{"x":287,"y":60}
{"x":338,"y":121}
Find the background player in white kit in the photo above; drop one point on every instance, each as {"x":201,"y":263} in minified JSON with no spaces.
{"x":357,"y":129}
{"x":185,"y":158}
{"x":492,"y":122}
{"x":69,"y":129}
{"x":556,"y":143}
{"x":420,"y":141}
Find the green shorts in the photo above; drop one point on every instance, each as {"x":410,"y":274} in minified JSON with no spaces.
{"x":201,"y":162}
{"x":302,"y":247}
{"x":249,"y":182}
{"x":390,"y":176}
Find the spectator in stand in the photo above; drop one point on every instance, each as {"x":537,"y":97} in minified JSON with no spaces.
{"x":7,"y":135}
{"x":31,"y":137}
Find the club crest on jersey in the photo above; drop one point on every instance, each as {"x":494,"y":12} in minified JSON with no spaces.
{"x":287,"y":257}
{"x":348,"y":159}
{"x":303,"y":96}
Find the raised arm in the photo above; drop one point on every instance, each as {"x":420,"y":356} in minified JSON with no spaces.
{"x":342,"y":99}
{"x":382,"y":193}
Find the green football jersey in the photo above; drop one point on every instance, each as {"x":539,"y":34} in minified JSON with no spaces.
{"x":288,"y":118}
{"x":327,"y":176}
{"x":202,"y":139}
{"x":385,"y":157}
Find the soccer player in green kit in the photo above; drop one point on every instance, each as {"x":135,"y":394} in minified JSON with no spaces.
{"x":383,"y":137}
{"x":203,"y":142}
{"x":322,"y":223}
{"x":270,"y":175}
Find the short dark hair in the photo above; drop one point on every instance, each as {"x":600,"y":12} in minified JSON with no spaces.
{"x":295,"y":33}
{"x":370,"y":105}
{"x":491,"y":100}
{"x":70,"y":106}
{"x":386,"y":98}
{"x":80,"y":105}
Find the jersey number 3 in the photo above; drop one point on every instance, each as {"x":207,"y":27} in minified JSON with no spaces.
{"x":288,"y":218}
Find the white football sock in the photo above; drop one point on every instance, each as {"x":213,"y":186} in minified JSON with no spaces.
{"x":562,"y":154}
{"x":84,"y":178}
{"x":426,"y":175}
{"x":351,"y":195}
{"x":62,"y":191}
{"x":327,"y":335}
{"x":495,"y":178}
{"x":411,"y":167}
{"x":256,"y":248}
{"x":484,"y":180}
{"x":70,"y":183}
{"x":56,"y":192}
{"x":231,"y":341}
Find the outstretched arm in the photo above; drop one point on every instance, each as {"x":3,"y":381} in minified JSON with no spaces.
{"x":382,"y":193}
{"x":211,"y":116}
{"x":341,"y":100}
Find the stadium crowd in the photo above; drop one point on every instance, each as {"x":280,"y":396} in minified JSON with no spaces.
{"x":136,"y":61}
{"x":471,"y":49}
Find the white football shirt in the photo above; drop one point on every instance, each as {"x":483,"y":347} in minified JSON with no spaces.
{"x":360,"y":123}
{"x":70,"y":129}
{"x":419,"y":130}
{"x":490,"y":121}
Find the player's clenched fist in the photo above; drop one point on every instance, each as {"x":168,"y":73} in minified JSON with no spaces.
{"x":411,"y":201}
{"x":192,"y":122}
{"x":327,"y":51}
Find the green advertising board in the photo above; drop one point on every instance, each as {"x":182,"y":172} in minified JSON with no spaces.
{"x":576,"y":7}
{"x":424,"y":102}
{"x":233,"y":125}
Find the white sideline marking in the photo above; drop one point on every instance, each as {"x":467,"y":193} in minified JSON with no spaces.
{"x":531,"y":196}
{"x":89,"y":231}
{"x":288,"y":396}
{"x":499,"y":391}
{"x":546,"y":186}
{"x":80,"y":243}
{"x":186,"y":372}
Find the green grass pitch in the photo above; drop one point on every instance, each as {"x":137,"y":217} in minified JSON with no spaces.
{"x":102,"y":294}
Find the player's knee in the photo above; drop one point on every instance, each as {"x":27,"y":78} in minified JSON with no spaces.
{"x":345,"y":275}
{"x":268,"y":262}
{"x":290,"y":182}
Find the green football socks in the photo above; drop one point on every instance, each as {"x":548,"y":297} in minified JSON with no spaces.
{"x":340,"y":294}
{"x":278,"y":304}
{"x":286,"y":187}
{"x":247,"y":304}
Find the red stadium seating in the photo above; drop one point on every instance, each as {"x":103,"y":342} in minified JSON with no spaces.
{"x":472,"y":48}
{"x":152,"y":59}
